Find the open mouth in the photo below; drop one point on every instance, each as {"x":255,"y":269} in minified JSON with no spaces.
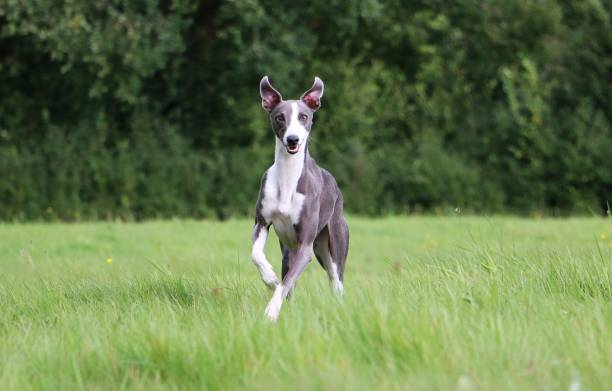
{"x":293,"y":148}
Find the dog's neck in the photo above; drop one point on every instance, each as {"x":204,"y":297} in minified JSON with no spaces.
{"x":288,"y":170}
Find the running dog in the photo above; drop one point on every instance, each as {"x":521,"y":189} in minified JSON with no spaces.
{"x":300,"y":199}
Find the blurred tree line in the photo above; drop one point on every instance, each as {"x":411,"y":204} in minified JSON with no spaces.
{"x":150,"y":108}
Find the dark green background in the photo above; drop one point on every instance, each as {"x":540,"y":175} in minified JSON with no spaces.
{"x":142,"y":109}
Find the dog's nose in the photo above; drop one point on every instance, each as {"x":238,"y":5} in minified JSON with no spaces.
{"x":293,"y":139}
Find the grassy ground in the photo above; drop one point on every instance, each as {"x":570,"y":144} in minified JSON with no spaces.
{"x":431,"y":303}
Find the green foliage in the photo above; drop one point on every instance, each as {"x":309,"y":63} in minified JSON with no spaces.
{"x":150,"y":108}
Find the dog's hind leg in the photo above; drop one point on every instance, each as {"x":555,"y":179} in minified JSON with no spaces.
{"x":323,"y":252}
{"x":338,"y":241}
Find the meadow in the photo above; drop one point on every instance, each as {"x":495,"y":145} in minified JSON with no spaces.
{"x":466,"y":303}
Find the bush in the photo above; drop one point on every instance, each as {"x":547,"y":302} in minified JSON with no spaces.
{"x":149,"y":108}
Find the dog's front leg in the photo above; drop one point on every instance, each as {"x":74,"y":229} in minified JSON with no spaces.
{"x":297,"y":261}
{"x":260,"y":234}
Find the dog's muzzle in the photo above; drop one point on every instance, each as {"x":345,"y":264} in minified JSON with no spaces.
{"x":292,"y":144}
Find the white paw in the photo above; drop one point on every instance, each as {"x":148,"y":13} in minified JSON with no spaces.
{"x":273,"y":308}
{"x":272,"y":312}
{"x":338,"y":288}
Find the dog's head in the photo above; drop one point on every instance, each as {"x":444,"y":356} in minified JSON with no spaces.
{"x":291,"y":119}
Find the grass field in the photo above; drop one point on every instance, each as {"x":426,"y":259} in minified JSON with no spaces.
{"x":430,"y":303}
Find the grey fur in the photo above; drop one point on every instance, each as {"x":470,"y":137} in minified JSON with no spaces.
{"x":321,"y":225}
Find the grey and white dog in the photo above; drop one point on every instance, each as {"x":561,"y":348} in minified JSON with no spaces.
{"x":299,"y":198}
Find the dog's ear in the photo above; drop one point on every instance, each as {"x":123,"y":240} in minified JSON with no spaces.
{"x":312,"y":97}
{"x":270,"y":98}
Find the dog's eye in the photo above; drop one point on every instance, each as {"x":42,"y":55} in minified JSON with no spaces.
{"x":302,"y":117}
{"x":280,"y":118}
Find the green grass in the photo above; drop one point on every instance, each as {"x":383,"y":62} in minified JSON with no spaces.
{"x":430,"y":303}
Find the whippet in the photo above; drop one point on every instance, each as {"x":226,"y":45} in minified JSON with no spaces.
{"x":300,"y":199}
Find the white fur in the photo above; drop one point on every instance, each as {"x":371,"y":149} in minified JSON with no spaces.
{"x":274,"y":306}
{"x":259,"y":259}
{"x":335,"y":280}
{"x":281,"y":203}
{"x":295,"y":127}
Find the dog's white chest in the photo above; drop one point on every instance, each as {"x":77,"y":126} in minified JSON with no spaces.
{"x":282,"y":204}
